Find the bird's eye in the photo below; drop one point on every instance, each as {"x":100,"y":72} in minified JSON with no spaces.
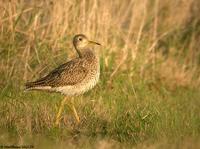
{"x":80,"y":39}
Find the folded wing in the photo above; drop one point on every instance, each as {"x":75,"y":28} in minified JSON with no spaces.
{"x":69,"y":73}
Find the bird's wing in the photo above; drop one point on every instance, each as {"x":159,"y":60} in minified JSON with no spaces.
{"x":69,"y":73}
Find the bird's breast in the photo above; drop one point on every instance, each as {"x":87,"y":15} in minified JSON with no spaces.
{"x":85,"y":85}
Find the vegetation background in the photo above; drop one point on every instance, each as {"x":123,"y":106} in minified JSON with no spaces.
{"x":148,"y":95}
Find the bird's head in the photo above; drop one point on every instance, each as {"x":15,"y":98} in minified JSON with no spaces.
{"x":80,"y":42}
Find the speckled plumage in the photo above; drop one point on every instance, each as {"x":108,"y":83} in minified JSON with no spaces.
{"x":73,"y":77}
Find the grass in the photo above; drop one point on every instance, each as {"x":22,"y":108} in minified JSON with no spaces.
{"x":148,"y":94}
{"x":130,"y":113}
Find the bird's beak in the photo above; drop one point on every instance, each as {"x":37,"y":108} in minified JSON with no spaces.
{"x":92,"y":42}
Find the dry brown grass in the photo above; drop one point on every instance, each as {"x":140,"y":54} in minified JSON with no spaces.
{"x":150,"y":57}
{"x":130,"y":29}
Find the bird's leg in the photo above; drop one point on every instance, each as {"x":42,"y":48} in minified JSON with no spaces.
{"x":74,"y":111}
{"x":60,"y":110}
{"x":75,"y":114}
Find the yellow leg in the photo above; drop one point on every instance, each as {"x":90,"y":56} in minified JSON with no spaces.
{"x":72,"y":107}
{"x":60,"y":111}
{"x":58,"y":116}
{"x":75,"y":114}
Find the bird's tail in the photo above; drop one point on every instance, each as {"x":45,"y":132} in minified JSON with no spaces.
{"x":37,"y":85}
{"x":29,"y":85}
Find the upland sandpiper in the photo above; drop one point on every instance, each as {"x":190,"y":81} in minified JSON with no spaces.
{"x":74,"y":77}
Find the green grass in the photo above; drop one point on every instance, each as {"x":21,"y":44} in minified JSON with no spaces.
{"x":129,"y":113}
{"x":151,"y":101}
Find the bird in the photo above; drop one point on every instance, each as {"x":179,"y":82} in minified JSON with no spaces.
{"x":73,"y":78}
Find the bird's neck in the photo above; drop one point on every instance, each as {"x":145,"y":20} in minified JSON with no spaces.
{"x":79,"y":53}
{"x":87,"y":53}
{"x":91,"y":56}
